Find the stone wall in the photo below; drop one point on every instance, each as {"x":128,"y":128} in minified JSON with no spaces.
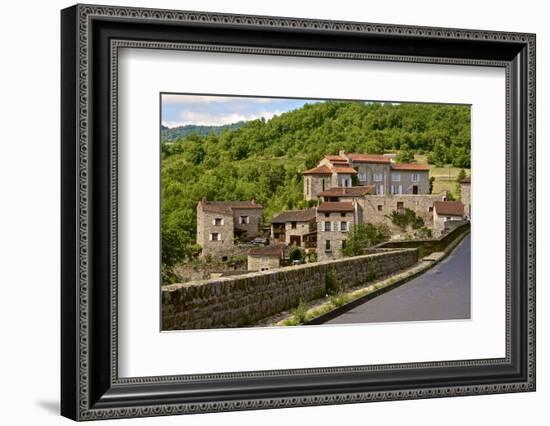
{"x":425,"y":247}
{"x":246,"y":299}
{"x":378,"y":208}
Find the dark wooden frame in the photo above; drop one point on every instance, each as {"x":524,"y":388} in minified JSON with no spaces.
{"x":90,"y":386}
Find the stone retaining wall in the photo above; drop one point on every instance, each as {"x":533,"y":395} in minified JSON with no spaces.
{"x":243,"y":300}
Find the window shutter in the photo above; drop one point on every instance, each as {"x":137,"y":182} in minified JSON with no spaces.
{"x":222,"y":221}
{"x":210,"y":237}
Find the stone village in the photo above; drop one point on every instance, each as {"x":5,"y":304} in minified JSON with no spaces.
{"x":345,"y":190}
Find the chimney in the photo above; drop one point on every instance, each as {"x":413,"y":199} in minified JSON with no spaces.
{"x":203,"y":199}
{"x":253,"y":201}
{"x":342,"y":153}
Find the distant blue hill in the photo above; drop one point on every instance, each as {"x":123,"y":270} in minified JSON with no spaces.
{"x":170,"y":134}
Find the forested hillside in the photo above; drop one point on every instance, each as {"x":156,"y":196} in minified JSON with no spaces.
{"x":264,"y":159}
{"x":171,"y":134}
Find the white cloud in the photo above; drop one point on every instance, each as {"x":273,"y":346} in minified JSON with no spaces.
{"x":208,"y":119}
{"x":173,"y":99}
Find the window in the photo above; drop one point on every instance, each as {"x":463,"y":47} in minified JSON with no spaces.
{"x":362,"y":176}
{"x":244,"y":220}
{"x":327,"y":214}
{"x":327,"y":226}
{"x":343,"y":214}
{"x":396,"y":189}
{"x":379,"y":207}
{"x":343,"y":244}
{"x":415,"y":177}
{"x":377,"y":177}
{"x":214,"y":236}
{"x":343,"y":226}
{"x":293,"y":225}
{"x":400,"y":205}
{"x":430,"y":209}
{"x":396,"y":177}
{"x":218,"y":221}
{"x":307,"y":186}
{"x":327,"y":245}
{"x":379,"y":189}
{"x":323,"y":183}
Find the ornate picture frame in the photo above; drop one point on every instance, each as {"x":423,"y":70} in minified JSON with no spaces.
{"x":91,"y":387}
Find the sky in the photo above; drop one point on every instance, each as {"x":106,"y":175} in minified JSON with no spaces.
{"x":181,"y":110}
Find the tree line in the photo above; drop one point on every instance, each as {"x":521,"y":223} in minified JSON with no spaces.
{"x":264,"y":159}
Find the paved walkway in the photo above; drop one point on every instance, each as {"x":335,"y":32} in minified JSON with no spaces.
{"x":441,"y":293}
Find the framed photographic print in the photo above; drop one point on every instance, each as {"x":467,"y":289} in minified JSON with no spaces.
{"x":263,"y":212}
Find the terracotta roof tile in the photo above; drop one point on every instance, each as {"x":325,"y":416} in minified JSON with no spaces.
{"x":453,"y":208}
{"x":346,"y":170}
{"x":305,"y":215}
{"x":226,"y":207}
{"x":338,"y":206}
{"x":368,"y":158}
{"x":335,"y":158}
{"x":410,"y":166}
{"x":274,"y":250}
{"x":319,"y":170}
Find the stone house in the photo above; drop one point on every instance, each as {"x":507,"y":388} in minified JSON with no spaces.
{"x":378,"y":209}
{"x":379,"y":171}
{"x":220,"y":223}
{"x":265,"y":258}
{"x":465,"y":196}
{"x":334,"y":220}
{"x":346,"y":194}
{"x":295,"y":227}
{"x":444,"y":212}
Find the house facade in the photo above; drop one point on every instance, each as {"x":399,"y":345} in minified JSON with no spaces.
{"x":220,"y":223}
{"x":381,"y":172}
{"x":334,"y":221}
{"x":295,"y":227}
{"x":445,"y":212}
{"x":265,"y":258}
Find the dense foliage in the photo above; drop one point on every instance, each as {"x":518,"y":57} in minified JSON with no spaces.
{"x":264,"y":159}
{"x":171,"y":134}
{"x":406,"y":218}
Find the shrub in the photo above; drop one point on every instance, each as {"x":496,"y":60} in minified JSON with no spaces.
{"x":296,"y":253}
{"x":331,"y":282}
{"x":365,"y":235}
{"x":299,"y":314}
{"x":339,"y":299}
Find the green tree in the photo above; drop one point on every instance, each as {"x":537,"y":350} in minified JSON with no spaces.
{"x":365,"y":235}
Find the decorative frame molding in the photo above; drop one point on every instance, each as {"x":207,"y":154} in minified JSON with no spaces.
{"x":91,"y":37}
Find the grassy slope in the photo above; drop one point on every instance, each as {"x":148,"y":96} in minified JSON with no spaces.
{"x":445,"y":177}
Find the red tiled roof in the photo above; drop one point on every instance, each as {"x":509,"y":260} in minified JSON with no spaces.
{"x":336,"y":206}
{"x":345,"y":170}
{"x":226,"y":207}
{"x":453,"y":208}
{"x":305,"y":215}
{"x":319,"y":170}
{"x":335,"y":158}
{"x":369,"y":158}
{"x":275,"y":251}
{"x":354,"y":191}
{"x":410,"y":166}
